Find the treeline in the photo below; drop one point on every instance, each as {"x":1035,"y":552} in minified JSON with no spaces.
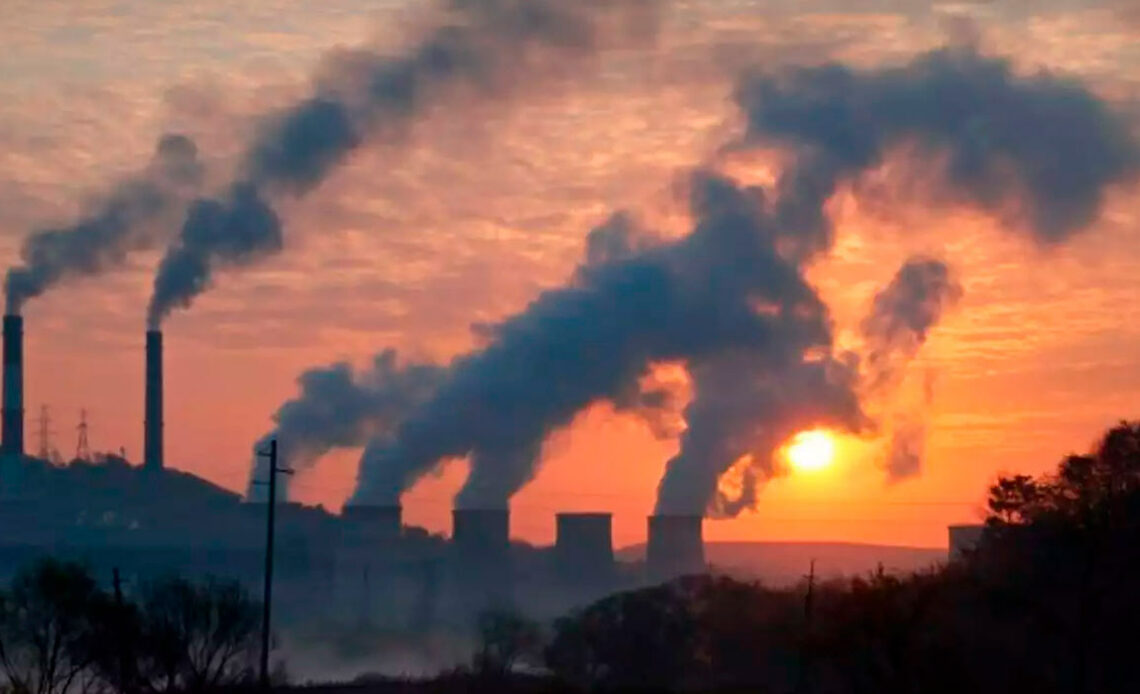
{"x":60,"y":632}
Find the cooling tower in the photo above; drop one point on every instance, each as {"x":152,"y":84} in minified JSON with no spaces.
{"x":12,"y":439}
{"x":583,"y":548}
{"x":480,"y":534}
{"x":675,"y":547}
{"x":152,"y":427}
{"x":370,"y":526}
{"x":365,"y":562}
{"x":481,"y":569}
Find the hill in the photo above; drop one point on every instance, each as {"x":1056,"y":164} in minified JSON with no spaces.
{"x":784,"y":563}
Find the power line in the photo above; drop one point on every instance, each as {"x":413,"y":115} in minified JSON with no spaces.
{"x":45,"y":433}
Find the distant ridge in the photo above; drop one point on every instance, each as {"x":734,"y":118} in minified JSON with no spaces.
{"x":784,"y":563}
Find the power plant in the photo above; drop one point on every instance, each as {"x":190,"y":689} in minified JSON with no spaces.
{"x":150,"y":520}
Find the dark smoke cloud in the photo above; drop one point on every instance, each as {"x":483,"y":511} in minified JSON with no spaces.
{"x":132,"y":217}
{"x":901,"y":317}
{"x":745,"y":406}
{"x":902,"y":314}
{"x":343,"y":407}
{"x":721,"y":292}
{"x":729,"y":301}
{"x":907,"y":446}
{"x":484,"y":48}
{"x":1038,"y":151}
{"x":234,"y":229}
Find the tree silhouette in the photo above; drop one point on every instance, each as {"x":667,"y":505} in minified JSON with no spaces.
{"x":505,"y":638}
{"x":1062,"y":550}
{"x":46,"y":630}
{"x":197,"y":637}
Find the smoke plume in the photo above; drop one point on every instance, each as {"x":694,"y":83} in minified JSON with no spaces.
{"x":132,"y":217}
{"x":342,"y":407}
{"x":901,"y":316}
{"x":719,"y":293}
{"x":745,"y":406}
{"x":1037,"y":151}
{"x":485,"y":48}
{"x":729,"y":300}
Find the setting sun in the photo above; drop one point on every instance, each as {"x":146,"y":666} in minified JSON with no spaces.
{"x":810,"y":451}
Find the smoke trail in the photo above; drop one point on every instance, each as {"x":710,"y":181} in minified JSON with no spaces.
{"x":1037,"y":151}
{"x":488,"y":48}
{"x":744,"y":408}
{"x":342,"y":407}
{"x":131,"y":218}
{"x":692,"y":300}
{"x":729,"y":300}
{"x":901,"y":316}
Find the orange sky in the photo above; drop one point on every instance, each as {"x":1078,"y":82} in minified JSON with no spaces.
{"x":1041,"y":355}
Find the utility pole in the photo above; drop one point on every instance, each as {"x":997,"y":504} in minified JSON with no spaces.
{"x":802,"y":684}
{"x":125,"y":682}
{"x":267,"y":596}
{"x":810,"y":594}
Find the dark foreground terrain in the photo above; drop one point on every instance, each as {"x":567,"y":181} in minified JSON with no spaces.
{"x":1046,"y":603}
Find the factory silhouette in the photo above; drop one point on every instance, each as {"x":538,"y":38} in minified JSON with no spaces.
{"x":149,"y":521}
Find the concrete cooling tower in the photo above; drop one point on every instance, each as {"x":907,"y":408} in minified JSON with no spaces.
{"x":481,"y":558}
{"x":675,"y":547}
{"x":583,"y":549}
{"x":371,"y":527}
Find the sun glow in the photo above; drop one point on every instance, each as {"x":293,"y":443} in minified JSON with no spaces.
{"x":811,"y":451}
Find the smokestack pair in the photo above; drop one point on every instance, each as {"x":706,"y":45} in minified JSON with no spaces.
{"x":12,"y":438}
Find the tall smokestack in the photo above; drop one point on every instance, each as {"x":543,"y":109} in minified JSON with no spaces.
{"x":12,"y":442}
{"x":152,"y":430}
{"x":676,"y":547}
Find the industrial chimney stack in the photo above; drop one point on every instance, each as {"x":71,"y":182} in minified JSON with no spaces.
{"x":152,"y":434}
{"x":12,"y":440}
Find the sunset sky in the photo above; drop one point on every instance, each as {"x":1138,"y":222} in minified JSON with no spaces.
{"x":409,"y":247}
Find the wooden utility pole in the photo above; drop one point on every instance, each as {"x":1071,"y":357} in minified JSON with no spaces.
{"x":810,"y":595}
{"x":267,"y":595}
{"x":803,"y":671}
